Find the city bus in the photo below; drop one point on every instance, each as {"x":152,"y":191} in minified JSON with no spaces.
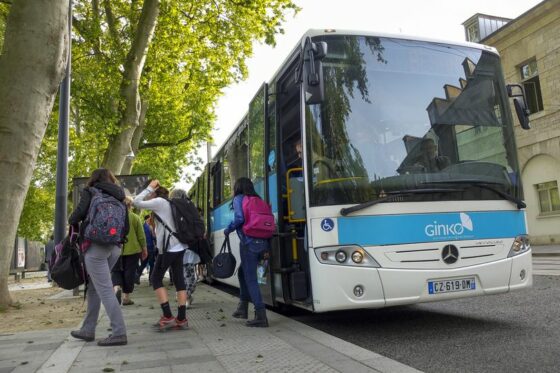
{"x":408,"y":189}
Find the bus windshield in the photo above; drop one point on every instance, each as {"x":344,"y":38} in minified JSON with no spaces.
{"x":400,"y":115}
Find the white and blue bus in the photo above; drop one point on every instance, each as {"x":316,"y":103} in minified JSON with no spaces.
{"x":409,"y":188}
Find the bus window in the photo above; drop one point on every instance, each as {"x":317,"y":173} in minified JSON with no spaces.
{"x":256,"y":146}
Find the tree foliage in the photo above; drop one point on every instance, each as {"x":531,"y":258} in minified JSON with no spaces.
{"x":198,"y":48}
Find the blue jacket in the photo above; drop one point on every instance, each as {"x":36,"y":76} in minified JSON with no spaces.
{"x":149,"y":238}
{"x":238,"y":219}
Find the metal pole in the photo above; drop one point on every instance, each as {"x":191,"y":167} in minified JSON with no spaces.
{"x":62,"y":155}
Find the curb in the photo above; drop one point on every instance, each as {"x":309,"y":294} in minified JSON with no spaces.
{"x":63,"y":357}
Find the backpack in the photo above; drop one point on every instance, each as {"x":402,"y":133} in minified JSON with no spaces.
{"x":189,"y":226}
{"x":66,"y":264}
{"x":202,"y":249}
{"x":106,"y":219}
{"x":259,"y":221}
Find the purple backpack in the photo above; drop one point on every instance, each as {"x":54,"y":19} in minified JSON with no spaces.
{"x":259,"y":221}
{"x":106,"y":219}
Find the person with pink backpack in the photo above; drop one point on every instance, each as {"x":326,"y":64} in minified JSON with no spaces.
{"x":254,"y":223}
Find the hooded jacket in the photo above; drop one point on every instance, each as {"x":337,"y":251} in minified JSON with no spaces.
{"x":80,"y":212}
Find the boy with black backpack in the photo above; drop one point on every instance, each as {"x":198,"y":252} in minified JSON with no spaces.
{"x":175,"y":227}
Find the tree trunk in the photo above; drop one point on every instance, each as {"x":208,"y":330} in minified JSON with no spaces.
{"x":31,"y":68}
{"x":136,"y":138}
{"x":120,"y":144}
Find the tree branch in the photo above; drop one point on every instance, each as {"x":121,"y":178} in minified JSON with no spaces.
{"x":111,"y":22}
{"x":167,"y":144}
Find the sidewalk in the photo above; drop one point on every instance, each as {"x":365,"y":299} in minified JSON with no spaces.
{"x":215,"y":342}
{"x":545,"y":250}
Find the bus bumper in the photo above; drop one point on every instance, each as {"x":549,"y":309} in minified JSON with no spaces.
{"x":391,"y":287}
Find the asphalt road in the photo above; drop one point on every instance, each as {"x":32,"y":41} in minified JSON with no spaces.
{"x":515,"y":332}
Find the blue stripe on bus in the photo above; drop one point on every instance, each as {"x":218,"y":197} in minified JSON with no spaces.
{"x":411,"y":228}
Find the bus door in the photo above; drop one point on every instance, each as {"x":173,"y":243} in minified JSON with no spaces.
{"x":261,"y":175}
{"x":290,"y":266}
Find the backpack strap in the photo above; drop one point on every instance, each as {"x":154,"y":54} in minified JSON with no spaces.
{"x":166,"y":239}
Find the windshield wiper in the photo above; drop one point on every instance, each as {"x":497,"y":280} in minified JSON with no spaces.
{"x":394,"y":195}
{"x":483,"y":185}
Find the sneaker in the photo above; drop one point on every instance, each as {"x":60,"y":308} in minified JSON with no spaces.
{"x":165,"y":323}
{"x":118,"y":294}
{"x":181,"y":324}
{"x":113,"y":340}
{"x":189,"y":301}
{"x":80,"y":334}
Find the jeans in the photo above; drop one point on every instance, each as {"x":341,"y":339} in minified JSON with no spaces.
{"x":250,"y":254}
{"x":99,"y":260}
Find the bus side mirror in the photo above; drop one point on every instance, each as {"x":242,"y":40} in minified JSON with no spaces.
{"x":519,"y":104}
{"x":313,"y":83}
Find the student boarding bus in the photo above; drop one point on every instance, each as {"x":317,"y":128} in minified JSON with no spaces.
{"x":409,"y":188}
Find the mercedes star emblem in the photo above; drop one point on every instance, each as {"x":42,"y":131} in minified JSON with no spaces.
{"x":450,"y":254}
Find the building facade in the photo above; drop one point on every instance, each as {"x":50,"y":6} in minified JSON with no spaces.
{"x":530,"y":49}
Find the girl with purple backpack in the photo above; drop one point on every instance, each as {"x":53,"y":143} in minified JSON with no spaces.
{"x":251,"y":250}
{"x":99,"y":258}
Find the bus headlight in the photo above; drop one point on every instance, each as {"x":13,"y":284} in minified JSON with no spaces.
{"x":338,"y":255}
{"x":519,"y":246}
{"x":357,"y":257}
{"x":341,"y":256}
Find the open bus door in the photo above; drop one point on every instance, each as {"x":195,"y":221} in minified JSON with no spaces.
{"x":289,"y":261}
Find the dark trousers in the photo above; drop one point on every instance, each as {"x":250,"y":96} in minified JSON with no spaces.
{"x":247,"y":274}
{"x":149,"y":262}
{"x":165,"y":261}
{"x":124,"y":272}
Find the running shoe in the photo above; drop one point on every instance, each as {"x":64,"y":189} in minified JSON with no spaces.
{"x":165,"y":323}
{"x":181,"y":324}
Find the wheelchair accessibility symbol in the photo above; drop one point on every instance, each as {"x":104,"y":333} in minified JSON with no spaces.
{"x":327,"y":225}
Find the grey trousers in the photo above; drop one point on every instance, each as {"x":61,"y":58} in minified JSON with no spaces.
{"x":99,"y":260}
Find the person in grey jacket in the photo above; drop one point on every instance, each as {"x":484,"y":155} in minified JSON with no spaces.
{"x":99,"y":260}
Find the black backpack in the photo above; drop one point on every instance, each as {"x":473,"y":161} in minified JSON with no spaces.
{"x":188,"y":223}
{"x":202,"y":248}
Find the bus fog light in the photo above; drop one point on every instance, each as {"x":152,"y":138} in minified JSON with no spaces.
{"x":357,"y":257}
{"x":325,"y":255}
{"x":341,"y":256}
{"x":358,"y":290}
{"x":522,"y":274}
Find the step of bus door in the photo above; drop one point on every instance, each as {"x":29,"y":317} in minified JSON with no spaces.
{"x":298,"y":285}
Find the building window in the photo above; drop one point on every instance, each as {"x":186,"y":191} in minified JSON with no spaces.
{"x":549,"y":200}
{"x":472,"y":32}
{"x":532,"y":85}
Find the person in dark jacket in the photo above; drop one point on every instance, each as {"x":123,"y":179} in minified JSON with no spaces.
{"x":251,"y":251}
{"x":99,"y":260}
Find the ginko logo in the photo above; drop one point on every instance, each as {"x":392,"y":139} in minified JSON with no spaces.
{"x":454,"y":229}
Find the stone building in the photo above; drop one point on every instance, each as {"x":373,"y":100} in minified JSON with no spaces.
{"x":530,"y":49}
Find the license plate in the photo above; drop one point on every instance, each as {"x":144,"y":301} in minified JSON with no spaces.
{"x":450,"y":286}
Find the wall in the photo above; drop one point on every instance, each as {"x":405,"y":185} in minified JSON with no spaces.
{"x":536,"y":34}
